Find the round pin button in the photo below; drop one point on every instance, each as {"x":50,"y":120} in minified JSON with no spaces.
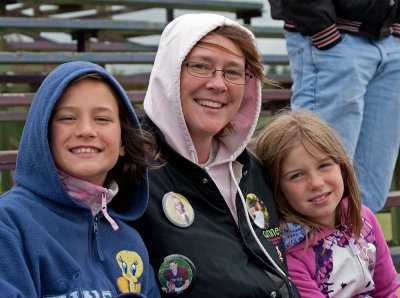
{"x":176,"y":274}
{"x":178,"y":209}
{"x":258,"y":211}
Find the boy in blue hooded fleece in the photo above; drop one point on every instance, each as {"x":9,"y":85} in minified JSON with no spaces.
{"x":81,"y":173}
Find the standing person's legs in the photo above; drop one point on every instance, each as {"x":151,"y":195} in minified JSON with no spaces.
{"x":332,"y":83}
{"x":379,"y":141}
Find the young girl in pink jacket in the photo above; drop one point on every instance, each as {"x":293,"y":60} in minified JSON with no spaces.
{"x":334,"y":244}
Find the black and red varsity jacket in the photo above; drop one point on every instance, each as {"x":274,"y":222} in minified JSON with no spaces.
{"x":323,"y":20}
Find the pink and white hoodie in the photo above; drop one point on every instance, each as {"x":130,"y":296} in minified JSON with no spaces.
{"x":163,"y":106}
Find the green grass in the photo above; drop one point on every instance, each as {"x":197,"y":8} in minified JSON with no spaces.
{"x":385,"y":221}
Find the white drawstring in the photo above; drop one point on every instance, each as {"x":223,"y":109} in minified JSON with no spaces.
{"x":250,"y":225}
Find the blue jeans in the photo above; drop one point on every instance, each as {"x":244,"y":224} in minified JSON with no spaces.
{"x":355,"y":87}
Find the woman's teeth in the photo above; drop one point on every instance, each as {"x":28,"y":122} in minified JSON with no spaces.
{"x":211,"y":104}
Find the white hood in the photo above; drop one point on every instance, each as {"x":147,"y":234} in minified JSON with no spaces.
{"x":163,"y":106}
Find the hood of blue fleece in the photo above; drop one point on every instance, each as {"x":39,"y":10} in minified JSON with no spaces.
{"x":35,"y":169}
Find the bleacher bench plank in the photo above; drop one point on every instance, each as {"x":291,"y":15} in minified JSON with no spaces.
{"x":100,"y":58}
{"x":16,"y":99}
{"x":393,"y":200}
{"x":243,"y":9}
{"x":37,"y":78}
{"x":63,"y":57}
{"x":45,"y":45}
{"x":229,"y":6}
{"x":121,"y":27}
{"x":8,"y":159}
{"x":395,"y":253}
{"x":136,"y":97}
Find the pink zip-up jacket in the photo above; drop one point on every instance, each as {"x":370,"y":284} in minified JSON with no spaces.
{"x":340,"y":266}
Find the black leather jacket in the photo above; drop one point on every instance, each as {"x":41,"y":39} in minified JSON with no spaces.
{"x":227,"y":260}
{"x":323,"y":19}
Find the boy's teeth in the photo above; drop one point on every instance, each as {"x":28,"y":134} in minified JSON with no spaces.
{"x":85,"y":150}
{"x":210,"y":104}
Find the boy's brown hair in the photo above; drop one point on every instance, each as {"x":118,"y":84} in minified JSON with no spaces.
{"x":139,"y":145}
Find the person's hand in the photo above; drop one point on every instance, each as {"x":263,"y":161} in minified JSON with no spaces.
{"x":185,"y":285}
{"x":398,"y":38}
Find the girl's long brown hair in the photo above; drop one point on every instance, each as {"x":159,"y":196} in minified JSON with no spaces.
{"x":277,"y":139}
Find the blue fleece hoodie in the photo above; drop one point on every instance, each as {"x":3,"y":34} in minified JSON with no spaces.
{"x":49,"y":246}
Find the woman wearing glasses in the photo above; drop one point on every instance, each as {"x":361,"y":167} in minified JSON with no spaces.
{"x":202,"y":105}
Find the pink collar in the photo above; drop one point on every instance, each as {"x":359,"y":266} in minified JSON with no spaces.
{"x":95,"y":196}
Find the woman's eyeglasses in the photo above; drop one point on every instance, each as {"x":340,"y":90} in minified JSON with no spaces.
{"x":202,"y":70}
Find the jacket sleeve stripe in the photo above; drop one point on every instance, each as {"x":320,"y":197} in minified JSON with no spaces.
{"x":396,"y":29}
{"x":327,"y":38}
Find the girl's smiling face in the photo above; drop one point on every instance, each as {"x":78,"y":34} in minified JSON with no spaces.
{"x":312,"y":183}
{"x":85,"y":131}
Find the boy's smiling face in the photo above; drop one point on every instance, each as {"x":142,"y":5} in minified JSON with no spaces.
{"x":85,"y":131}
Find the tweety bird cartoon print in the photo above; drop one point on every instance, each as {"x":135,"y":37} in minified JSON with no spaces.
{"x":131,"y":265}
